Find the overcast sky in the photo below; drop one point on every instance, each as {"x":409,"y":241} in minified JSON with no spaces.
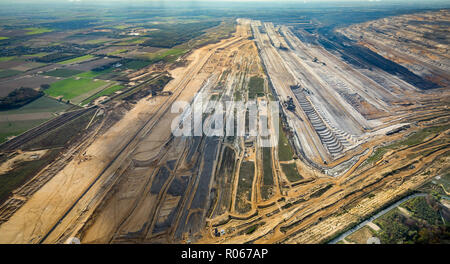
{"x":445,"y":2}
{"x":307,"y":1}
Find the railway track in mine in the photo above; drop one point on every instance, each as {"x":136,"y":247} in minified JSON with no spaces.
{"x":60,"y":120}
{"x":48,"y":126}
{"x":138,"y":135}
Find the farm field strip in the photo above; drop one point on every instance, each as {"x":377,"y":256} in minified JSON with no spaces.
{"x":71,"y":88}
{"x":362,"y":128}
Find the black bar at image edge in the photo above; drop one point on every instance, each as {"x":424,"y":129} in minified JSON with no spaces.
{"x":237,"y":254}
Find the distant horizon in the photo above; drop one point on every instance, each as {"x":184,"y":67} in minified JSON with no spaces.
{"x":235,"y":2}
{"x":240,"y":1}
{"x":201,"y":122}
{"x":237,"y":6}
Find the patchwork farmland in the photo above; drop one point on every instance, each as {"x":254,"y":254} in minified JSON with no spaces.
{"x":356,"y":151}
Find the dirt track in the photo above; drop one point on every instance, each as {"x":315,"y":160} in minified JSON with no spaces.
{"x":84,"y":183}
{"x":137,"y":183}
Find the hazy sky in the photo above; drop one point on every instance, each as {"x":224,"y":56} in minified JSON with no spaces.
{"x":256,"y":0}
{"x":245,"y":0}
{"x":212,"y":1}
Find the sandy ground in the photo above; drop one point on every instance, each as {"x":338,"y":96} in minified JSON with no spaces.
{"x":43,"y":211}
{"x":133,"y":210}
{"x":106,"y":198}
{"x":21,"y":157}
{"x":318,"y":216}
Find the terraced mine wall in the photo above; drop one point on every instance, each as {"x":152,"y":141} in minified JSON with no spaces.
{"x":328,"y":138}
{"x":363,"y":57}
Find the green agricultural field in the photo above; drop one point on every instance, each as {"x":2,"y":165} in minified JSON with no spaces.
{"x":14,"y":128}
{"x":8,"y":73}
{"x":255,"y":87}
{"x":71,"y":88}
{"x":88,"y":74}
{"x":8,"y":58}
{"x":42,"y":104}
{"x":244,"y":189}
{"x":93,"y":74}
{"x":169,"y":55}
{"x":285,"y":152}
{"x":291,"y":172}
{"x":62,"y":73}
{"x":267,"y":170}
{"x":267,"y":163}
{"x":35,"y":30}
{"x":137,"y":64}
{"x":77,"y":59}
{"x":117,"y":52}
{"x":3,"y":38}
{"x":105,"y":92}
{"x":246,"y":175}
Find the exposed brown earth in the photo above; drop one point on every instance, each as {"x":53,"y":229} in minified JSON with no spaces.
{"x":135,"y":182}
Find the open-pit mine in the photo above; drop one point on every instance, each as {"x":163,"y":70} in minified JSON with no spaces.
{"x":362,"y":122}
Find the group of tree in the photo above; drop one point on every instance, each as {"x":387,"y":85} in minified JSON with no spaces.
{"x":170,"y":35}
{"x":19,"y":97}
{"x":56,"y":57}
{"x":424,"y":226}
